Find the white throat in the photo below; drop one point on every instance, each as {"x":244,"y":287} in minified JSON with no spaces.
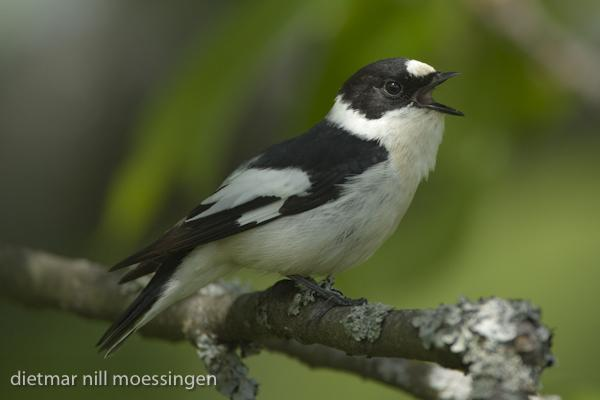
{"x":411,"y":135}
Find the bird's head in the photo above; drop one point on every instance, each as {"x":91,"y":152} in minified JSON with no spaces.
{"x":391,"y":101}
{"x":393,"y":84}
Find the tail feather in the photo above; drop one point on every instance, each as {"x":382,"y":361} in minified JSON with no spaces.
{"x":143,"y":268}
{"x":138,"y":312}
{"x":177,"y":276}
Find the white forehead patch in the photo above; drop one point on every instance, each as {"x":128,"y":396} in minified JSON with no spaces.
{"x":418,"y":68}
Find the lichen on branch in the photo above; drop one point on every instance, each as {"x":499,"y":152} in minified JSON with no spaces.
{"x":501,"y":345}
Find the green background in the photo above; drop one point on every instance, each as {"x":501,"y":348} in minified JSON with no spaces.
{"x":118,"y":117}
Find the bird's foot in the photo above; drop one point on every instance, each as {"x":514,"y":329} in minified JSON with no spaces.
{"x":326,"y":290}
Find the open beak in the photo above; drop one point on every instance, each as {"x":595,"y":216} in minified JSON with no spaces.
{"x":423,"y":97}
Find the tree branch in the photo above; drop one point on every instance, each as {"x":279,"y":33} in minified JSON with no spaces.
{"x":500,"y":344}
{"x":572,"y":61}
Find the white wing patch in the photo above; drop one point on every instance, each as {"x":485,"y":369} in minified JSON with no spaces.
{"x":261,"y":214}
{"x":245,"y":186}
{"x":418,"y":68}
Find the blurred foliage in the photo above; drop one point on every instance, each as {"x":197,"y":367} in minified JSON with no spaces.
{"x":512,"y":209}
{"x":195,"y":112}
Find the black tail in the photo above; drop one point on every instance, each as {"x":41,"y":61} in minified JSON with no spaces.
{"x":125,"y":325}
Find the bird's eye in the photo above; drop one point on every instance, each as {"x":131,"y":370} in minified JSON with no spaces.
{"x":392,"y":88}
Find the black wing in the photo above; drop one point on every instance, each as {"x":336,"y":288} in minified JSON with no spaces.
{"x":326,"y":155}
{"x":189,"y":234}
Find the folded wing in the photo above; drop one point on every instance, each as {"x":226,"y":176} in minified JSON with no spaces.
{"x":289,"y":178}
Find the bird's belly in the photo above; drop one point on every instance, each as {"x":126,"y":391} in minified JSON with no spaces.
{"x":329,"y":238}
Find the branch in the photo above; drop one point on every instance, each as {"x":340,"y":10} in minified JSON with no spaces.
{"x":572,"y":61}
{"x":500,"y":344}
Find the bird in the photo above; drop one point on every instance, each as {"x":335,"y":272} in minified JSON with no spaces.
{"x":313,"y":205}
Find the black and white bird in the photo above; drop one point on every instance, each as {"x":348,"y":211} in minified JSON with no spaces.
{"x":316,"y":204}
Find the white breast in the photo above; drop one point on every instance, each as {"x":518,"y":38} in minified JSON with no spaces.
{"x":345,"y":232}
{"x":330,"y":238}
{"x":412,"y":135}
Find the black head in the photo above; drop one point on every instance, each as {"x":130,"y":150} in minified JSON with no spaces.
{"x":392,"y":84}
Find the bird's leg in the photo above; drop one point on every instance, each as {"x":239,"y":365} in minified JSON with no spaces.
{"x":326,"y":290}
{"x":328,"y":282}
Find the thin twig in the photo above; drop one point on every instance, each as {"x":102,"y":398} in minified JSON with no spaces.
{"x":572,"y":61}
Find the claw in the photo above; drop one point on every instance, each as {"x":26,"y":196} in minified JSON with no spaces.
{"x":326,"y":291}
